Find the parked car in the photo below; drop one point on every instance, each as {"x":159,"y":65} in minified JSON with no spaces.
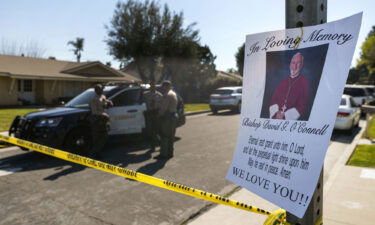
{"x":226,"y":98}
{"x":69,"y":123}
{"x":348,"y":114}
{"x":359,"y":93}
{"x":370,"y":89}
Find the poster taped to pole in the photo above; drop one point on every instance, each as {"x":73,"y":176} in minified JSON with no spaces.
{"x":292,"y":87}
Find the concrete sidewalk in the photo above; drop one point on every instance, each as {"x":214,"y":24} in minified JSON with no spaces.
{"x":225,"y":215}
{"x":349,"y":198}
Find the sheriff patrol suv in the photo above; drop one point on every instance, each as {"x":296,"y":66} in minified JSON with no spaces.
{"x":68,"y":127}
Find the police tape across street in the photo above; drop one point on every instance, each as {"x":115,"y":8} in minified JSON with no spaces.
{"x":132,"y":174}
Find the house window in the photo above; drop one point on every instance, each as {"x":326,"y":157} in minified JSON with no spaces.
{"x":19,"y":85}
{"x":25,"y":85}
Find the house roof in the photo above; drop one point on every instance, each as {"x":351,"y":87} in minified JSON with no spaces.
{"x":50,"y":69}
{"x":229,"y":75}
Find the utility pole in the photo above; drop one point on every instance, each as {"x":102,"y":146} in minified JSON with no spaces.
{"x":300,"y":13}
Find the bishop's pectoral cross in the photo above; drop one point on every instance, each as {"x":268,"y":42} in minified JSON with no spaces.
{"x":283,"y":108}
{"x":289,"y":89}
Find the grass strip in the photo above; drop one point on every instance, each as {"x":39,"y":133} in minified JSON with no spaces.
{"x":7,"y":116}
{"x":196,"y":107}
{"x":363,"y":156}
{"x":371,"y":128}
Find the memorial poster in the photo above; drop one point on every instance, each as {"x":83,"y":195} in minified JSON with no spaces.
{"x":292,"y":87}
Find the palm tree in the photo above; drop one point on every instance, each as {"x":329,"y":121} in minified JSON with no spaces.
{"x":77,"y":47}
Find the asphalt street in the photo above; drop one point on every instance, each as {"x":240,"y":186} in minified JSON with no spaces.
{"x":38,"y":189}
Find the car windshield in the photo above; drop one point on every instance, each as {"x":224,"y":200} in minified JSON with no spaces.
{"x":83,"y":100}
{"x":223,"y":92}
{"x":355,"y":92}
{"x":370,"y":90}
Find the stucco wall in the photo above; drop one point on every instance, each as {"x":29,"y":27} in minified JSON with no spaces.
{"x":39,"y":91}
{"x":44,"y":91}
{"x":7,"y":98}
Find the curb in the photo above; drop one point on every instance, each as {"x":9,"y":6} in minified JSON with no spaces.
{"x":341,"y":162}
{"x":197,"y":112}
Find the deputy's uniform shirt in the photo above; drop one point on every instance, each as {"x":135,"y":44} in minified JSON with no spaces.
{"x":168,"y":103}
{"x":98,"y":105}
{"x":153,"y":100}
{"x":100,"y":122}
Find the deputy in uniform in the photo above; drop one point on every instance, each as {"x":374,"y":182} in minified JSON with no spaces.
{"x":152,"y":99}
{"x":168,"y":118}
{"x":99,"y":120}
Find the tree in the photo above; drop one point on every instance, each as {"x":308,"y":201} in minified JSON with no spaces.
{"x":232,"y":70}
{"x":29,"y":48}
{"x":364,"y":72}
{"x":240,"y":57}
{"x":358,"y":74}
{"x":206,"y":59}
{"x":77,"y":47}
{"x":367,"y":56}
{"x":197,"y":73}
{"x":371,"y":33}
{"x":155,"y":41}
{"x":146,"y":34}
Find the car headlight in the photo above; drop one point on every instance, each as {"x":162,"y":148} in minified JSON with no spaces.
{"x":49,"y":122}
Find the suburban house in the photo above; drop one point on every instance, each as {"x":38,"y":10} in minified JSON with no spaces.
{"x":47,"y":81}
{"x":232,"y":76}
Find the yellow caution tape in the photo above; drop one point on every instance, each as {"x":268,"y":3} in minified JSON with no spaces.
{"x":4,"y":145}
{"x":319,"y":221}
{"x":109,"y":168}
{"x":279,"y":218}
{"x":276,"y":218}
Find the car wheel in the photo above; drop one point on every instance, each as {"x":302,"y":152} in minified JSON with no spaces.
{"x":239,"y":107}
{"x":350,"y":130}
{"x":213,"y":110}
{"x":79,"y":141}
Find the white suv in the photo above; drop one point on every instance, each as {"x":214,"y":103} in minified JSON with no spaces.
{"x":226,"y":98}
{"x":359,"y":93}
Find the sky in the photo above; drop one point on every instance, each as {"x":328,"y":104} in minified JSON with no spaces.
{"x":222,"y":24}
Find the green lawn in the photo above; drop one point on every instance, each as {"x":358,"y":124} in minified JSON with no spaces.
{"x":371,"y":128}
{"x":364,"y":156}
{"x":7,"y":116}
{"x":196,"y":107}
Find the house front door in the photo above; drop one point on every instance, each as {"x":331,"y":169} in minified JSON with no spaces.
{"x":26,"y":91}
